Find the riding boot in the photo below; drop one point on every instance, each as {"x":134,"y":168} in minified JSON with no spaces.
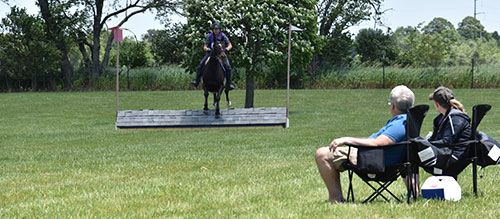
{"x":196,"y":81}
{"x":228,"y":79}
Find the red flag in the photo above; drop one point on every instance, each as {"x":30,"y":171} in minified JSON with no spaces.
{"x":118,"y":38}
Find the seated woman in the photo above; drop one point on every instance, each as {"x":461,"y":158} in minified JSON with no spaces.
{"x":452,"y":125}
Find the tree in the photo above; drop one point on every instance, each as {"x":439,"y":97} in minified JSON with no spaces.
{"x":337,"y":50}
{"x":57,"y":23}
{"x":442,"y":27}
{"x":27,"y":55}
{"x":419,"y":49}
{"x":167,"y":44}
{"x":95,"y":10}
{"x":258,"y":32}
{"x":132,"y":52}
{"x":334,"y":18}
{"x":373,"y":45}
{"x":89,"y":20}
{"x":437,"y":26}
{"x":496,"y":37}
{"x":471,"y":28}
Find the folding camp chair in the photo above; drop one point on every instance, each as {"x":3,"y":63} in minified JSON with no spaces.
{"x":478,"y":112}
{"x":370,"y":165}
{"x":469,"y":147}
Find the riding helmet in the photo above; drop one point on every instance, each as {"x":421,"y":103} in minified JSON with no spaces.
{"x":216,"y":25}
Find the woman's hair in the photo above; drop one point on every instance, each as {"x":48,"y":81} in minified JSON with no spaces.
{"x":445,"y":98}
{"x":402,"y":98}
{"x":457,"y":105}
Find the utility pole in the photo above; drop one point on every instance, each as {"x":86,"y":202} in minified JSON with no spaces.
{"x":475,"y":9}
{"x":476,"y":13}
{"x":477,"y":45}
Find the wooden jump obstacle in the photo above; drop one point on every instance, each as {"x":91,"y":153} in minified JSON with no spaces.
{"x":135,"y":119}
{"x":250,"y":117}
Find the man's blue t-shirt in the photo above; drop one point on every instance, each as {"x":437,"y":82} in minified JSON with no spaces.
{"x":395,"y":129}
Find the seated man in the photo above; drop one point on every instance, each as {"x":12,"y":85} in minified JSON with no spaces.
{"x":330,"y":159}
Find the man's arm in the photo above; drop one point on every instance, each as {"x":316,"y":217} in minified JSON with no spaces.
{"x":381,"y":140}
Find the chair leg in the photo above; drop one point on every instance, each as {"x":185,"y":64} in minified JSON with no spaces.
{"x":412,"y":182}
{"x":378,"y":192}
{"x":385,"y":187}
{"x":474,"y":176}
{"x":375,"y":194}
{"x":350,"y":192}
{"x":409,"y":182}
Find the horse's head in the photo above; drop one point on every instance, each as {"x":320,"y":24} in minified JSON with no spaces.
{"x":217,"y":48}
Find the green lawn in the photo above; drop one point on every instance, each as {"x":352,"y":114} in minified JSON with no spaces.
{"x":61,"y":157}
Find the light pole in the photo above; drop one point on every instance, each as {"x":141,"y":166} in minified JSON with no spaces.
{"x":290,"y":29}
{"x":117,"y":38}
{"x":128,"y":59}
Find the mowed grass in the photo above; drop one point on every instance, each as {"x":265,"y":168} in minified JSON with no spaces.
{"x":61,"y":157}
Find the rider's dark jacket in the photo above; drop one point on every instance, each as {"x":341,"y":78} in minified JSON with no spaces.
{"x":454,"y":127}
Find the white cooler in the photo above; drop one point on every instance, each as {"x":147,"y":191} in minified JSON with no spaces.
{"x":441,"y":187}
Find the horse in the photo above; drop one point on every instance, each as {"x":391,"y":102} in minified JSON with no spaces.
{"x":213,"y":78}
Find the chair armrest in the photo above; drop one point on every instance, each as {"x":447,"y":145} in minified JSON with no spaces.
{"x":464,"y":143}
{"x":384,"y":146}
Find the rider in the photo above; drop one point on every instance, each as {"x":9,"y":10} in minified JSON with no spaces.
{"x":215,"y":35}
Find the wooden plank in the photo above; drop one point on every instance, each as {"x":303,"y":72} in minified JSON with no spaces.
{"x":273,"y":116}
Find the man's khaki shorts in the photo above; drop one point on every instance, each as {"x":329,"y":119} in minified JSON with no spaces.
{"x":339,"y":156}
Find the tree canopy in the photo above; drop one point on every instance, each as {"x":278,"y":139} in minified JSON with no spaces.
{"x":471,"y":28}
{"x":258,"y":32}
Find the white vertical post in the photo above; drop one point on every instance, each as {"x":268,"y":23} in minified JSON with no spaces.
{"x":288,"y":76}
{"x":117,"y":67}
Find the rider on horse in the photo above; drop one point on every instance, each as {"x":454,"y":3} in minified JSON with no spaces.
{"x":211,"y":38}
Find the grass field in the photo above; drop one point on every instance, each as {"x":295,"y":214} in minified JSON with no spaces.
{"x":60,"y":157}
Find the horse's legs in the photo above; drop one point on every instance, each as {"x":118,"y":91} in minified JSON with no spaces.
{"x":217,"y":100}
{"x":206,"y":100}
{"x":227,"y":97}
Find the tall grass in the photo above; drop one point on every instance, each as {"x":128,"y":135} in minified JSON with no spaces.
{"x":485,"y":76}
{"x":176,"y":78}
{"x":60,"y":157}
{"x":168,"y":77}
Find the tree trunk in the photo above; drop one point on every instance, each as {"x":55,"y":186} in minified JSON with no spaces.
{"x":52,"y":82}
{"x":67,"y":69}
{"x":96,"y":47}
{"x":96,"y":64}
{"x":250,"y":87}
{"x":105,"y":59}
{"x":6,"y":75}
{"x":55,"y":33}
{"x":87,"y":64}
{"x":34,"y":81}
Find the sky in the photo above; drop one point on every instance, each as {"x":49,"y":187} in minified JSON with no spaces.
{"x":397,"y":13}
{"x":412,"y":12}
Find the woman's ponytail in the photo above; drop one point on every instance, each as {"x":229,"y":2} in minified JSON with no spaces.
{"x":457,"y":105}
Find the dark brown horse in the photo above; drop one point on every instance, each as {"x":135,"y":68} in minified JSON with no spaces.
{"x":213,"y":78}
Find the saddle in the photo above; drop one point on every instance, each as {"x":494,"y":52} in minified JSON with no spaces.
{"x":220,"y":63}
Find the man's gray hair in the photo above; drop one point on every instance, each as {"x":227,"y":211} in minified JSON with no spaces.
{"x":402,"y":98}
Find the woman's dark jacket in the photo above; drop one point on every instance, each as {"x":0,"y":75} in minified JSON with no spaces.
{"x":452,"y":128}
